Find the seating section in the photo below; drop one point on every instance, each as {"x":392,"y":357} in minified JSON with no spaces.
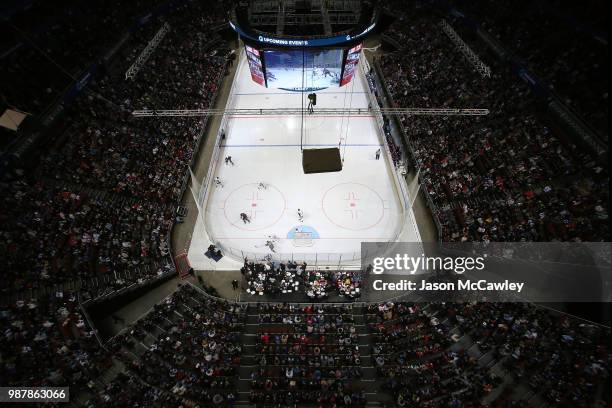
{"x":444,"y":354}
{"x":110,"y":149}
{"x":561,"y":41}
{"x":97,"y":211}
{"x":55,"y":235}
{"x":37,"y":65}
{"x":307,"y":355}
{"x":188,"y":346}
{"x":126,"y":390}
{"x":193,"y":349}
{"x":47,"y":342}
{"x":508,"y":176}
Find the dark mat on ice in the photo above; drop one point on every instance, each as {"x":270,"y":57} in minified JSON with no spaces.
{"x":321,"y":160}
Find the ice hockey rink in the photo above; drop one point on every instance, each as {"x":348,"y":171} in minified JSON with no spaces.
{"x":366,"y":201}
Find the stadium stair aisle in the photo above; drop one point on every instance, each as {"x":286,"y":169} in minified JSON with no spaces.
{"x":133,"y":348}
{"x":96,"y":385}
{"x":248,"y":361}
{"x":369,"y":379}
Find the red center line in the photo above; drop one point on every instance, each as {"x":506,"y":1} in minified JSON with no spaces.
{"x":305,"y":116}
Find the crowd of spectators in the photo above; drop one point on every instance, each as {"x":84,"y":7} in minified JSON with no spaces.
{"x":507,"y":176}
{"x":100,"y":206}
{"x":394,"y":149}
{"x":96,"y":213}
{"x":52,"y":235}
{"x":290,"y":278}
{"x":36,"y":63}
{"x":271,"y":278}
{"x":560,"y":357}
{"x":86,"y":214}
{"x":307,"y":354}
{"x":126,"y":390}
{"x":47,"y":342}
{"x":194,"y":349}
{"x":143,"y":158}
{"x":564,"y":43}
{"x":187,"y":351}
{"x":431,"y":354}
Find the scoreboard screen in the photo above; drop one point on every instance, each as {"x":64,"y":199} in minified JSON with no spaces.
{"x":303,"y":69}
{"x":298,"y":69}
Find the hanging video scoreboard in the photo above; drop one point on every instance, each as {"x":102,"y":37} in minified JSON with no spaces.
{"x":303,"y":64}
{"x":302,"y":69}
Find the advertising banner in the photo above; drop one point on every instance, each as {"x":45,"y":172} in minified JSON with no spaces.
{"x":352,"y":59}
{"x":253,"y":56}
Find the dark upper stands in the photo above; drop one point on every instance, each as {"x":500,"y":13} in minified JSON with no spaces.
{"x":99,"y":207}
{"x":509,"y":176}
{"x":564,"y":42}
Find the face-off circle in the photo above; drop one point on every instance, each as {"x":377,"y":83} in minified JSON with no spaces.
{"x":353,"y":206}
{"x":263,"y":206}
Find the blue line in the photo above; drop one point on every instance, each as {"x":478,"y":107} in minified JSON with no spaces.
{"x":293,"y":145}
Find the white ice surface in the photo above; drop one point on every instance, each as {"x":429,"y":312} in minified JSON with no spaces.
{"x":359,"y":203}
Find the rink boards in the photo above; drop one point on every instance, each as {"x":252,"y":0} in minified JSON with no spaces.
{"x":365,"y":201}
